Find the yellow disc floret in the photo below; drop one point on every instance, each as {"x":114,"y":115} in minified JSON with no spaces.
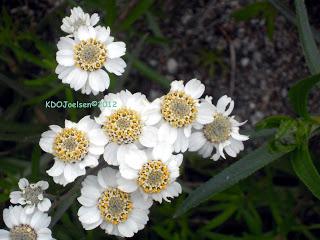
{"x":24,"y":232}
{"x":70,"y":145}
{"x":123,"y":126}
{"x":90,"y":55}
{"x":115,"y":205}
{"x":153,"y":177}
{"x":219,"y":130}
{"x":179,"y":109}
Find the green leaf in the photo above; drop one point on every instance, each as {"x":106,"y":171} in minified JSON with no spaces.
{"x":230,"y":176}
{"x":35,"y":163}
{"x":45,"y":96}
{"x":149,"y":72}
{"x":309,"y":45}
{"x":135,"y":13}
{"x":298,"y":94}
{"x":305,"y":169}
{"x":290,"y":15}
{"x":72,"y":111}
{"x":272,"y":121}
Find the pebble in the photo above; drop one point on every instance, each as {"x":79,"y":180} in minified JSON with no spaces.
{"x":172,"y":65}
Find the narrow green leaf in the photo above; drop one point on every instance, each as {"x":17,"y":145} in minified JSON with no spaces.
{"x":309,"y":45}
{"x":298,"y":94}
{"x":286,"y":11}
{"x":135,"y":13}
{"x":35,"y":163}
{"x":220,"y":219}
{"x":305,"y":169}
{"x":111,"y":12}
{"x":72,"y":111}
{"x":45,"y":96}
{"x":149,"y":72}
{"x":230,"y":176}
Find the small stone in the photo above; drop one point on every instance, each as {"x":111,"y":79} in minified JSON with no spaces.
{"x":244,"y":62}
{"x":172,"y":65}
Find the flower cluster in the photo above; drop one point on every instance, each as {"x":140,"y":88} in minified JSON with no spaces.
{"x":28,"y":222}
{"x":141,"y":141}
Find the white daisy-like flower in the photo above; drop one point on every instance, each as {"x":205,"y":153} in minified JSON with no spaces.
{"x":220,"y":130}
{"x":127,"y":127}
{"x":77,"y":19}
{"x":177,"y":111}
{"x":81,"y":61}
{"x":105,"y":205}
{"x":25,"y":226}
{"x":75,"y":147}
{"x":153,"y":173}
{"x":31,"y":195}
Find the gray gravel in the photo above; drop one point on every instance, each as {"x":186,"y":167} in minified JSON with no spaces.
{"x":256,"y":71}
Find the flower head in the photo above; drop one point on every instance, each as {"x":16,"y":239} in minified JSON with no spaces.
{"x":126,"y":126}
{"x":104,"y":204}
{"x":83,"y":61}
{"x":77,"y":19}
{"x":25,"y":226}
{"x":75,"y":147}
{"x":153,"y":173}
{"x":177,"y":111}
{"x":31,"y":195}
{"x":217,"y":130}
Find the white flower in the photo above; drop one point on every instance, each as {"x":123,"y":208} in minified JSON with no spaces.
{"x":75,"y":147}
{"x":105,"y":205}
{"x":177,"y":112}
{"x":31,"y":195}
{"x":153,"y":173}
{"x":82,"y":59}
{"x":77,"y":19}
{"x":219,"y":130}
{"x":25,"y":226}
{"x":127,"y":126}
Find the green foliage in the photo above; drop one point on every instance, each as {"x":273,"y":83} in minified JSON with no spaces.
{"x":311,"y":52}
{"x":258,"y":9}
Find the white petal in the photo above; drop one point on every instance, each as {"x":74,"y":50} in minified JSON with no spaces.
{"x":167,"y":133}
{"x":97,"y":137}
{"x":115,"y":65}
{"x":110,"y":154}
{"x":99,"y":80}
{"x":149,"y":136}
{"x":194,"y":88}
{"x":4,"y":235}
{"x":44,"y":205}
{"x":127,"y":185}
{"x":102,"y":33}
{"x":116,"y":49}
{"x":239,"y":137}
{"x":23,"y":183}
{"x":163,"y":151}
{"x":65,"y":57}
{"x":196,"y":141}
{"x":85,"y":33}
{"x":56,"y":169}
{"x":177,"y":86}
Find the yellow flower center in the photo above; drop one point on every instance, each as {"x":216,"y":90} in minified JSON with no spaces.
{"x":90,"y":55}
{"x":153,"y":177}
{"x":71,"y":145}
{"x":23,"y":232}
{"x":179,"y":109}
{"x":219,"y":130}
{"x":123,"y":126}
{"x":115,"y":205}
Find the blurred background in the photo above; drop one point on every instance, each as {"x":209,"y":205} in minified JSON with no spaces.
{"x":246,"y":49}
